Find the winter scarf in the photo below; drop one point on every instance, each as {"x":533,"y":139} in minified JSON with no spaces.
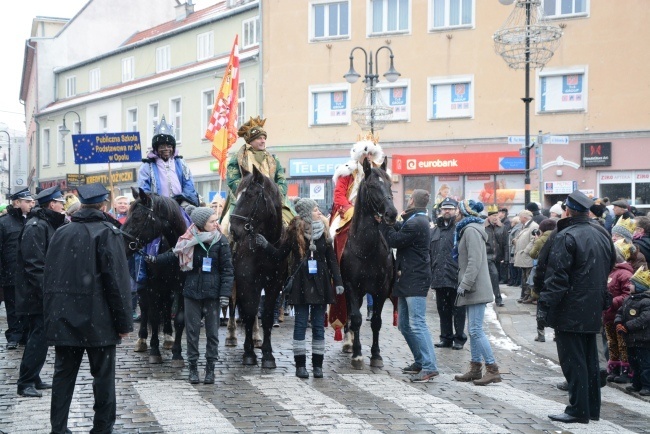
{"x":184,"y":248}
{"x":317,"y":229}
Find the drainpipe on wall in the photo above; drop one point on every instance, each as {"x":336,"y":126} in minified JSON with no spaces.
{"x":260,"y":85}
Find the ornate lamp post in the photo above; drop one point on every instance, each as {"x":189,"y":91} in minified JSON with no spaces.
{"x":525,"y":40}
{"x":64,"y":131}
{"x":372,"y":114}
{"x":8,"y":161}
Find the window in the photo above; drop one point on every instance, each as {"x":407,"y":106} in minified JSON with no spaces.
{"x":94,"y":82}
{"x":45,"y":151}
{"x":562,"y":90}
{"x":70,"y":86}
{"x":329,"y":105}
{"x":103,"y":124}
{"x":451,"y":97}
{"x":330,"y":20}
{"x":128,"y":70}
{"x":152,"y":120}
{"x":175,"y":117}
{"x":397,"y":96}
{"x":389,"y":16}
{"x":204,"y":46}
{"x":250,"y":32}
{"x":132,"y":120}
{"x":60,"y":148}
{"x":564,"y":8}
{"x":163,"y":59}
{"x":241,"y":104}
{"x":451,"y":13}
{"x":208,"y":105}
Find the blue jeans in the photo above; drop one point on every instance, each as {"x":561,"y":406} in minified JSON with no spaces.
{"x":479,"y":345}
{"x":413,"y":325}
{"x":317,"y":321}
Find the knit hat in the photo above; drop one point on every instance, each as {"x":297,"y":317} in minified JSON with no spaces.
{"x":598,"y":209}
{"x":624,"y":228}
{"x":641,"y":279}
{"x":470,"y":208}
{"x":70,"y":199}
{"x":304,"y":207}
{"x":420,"y":198}
{"x":200,"y":216}
{"x":532,"y":207}
{"x":557,"y":208}
{"x":547,"y":225}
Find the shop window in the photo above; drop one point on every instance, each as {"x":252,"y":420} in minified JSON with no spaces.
{"x":446,"y":14}
{"x":562,"y":90}
{"x":451,"y":97}
{"x":330,"y":20}
{"x":397,"y":95}
{"x":481,"y":188}
{"x":389,"y":16}
{"x":329,"y":105}
{"x":565,"y":8}
{"x":510,"y":193}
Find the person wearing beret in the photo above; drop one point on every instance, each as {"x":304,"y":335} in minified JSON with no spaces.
{"x":164,"y":172}
{"x":11,"y":225}
{"x":35,"y":240}
{"x":572,"y":301}
{"x":87,"y":306}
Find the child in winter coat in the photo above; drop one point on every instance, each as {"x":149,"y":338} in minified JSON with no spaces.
{"x":619,"y":287}
{"x":633,"y":323}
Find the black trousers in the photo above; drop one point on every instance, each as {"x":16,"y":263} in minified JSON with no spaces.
{"x":452,"y":317}
{"x":494,"y":278}
{"x":35,"y":353}
{"x":578,"y":354}
{"x":66,"y":368}
{"x":16,"y":325}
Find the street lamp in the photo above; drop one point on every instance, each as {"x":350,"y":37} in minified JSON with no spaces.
{"x":64,"y":131}
{"x":372,"y":114}
{"x":526,"y":40}
{"x":8,"y":160}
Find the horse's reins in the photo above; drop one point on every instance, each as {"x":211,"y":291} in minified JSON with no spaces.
{"x":248,"y":226}
{"x":136,"y":243}
{"x":375,"y":207}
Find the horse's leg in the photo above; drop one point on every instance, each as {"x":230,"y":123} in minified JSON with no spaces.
{"x":347,"y":334}
{"x":167,"y":303}
{"x":355,"y":326}
{"x":141,"y":343}
{"x":257,"y":339}
{"x":248,"y":314}
{"x":268,"y":361}
{"x":375,"y":323}
{"x":179,"y":326}
{"x":231,"y":335}
{"x":154,"y":318}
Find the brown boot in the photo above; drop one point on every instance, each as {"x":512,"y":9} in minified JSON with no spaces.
{"x":491,"y":375}
{"x":474,"y":373}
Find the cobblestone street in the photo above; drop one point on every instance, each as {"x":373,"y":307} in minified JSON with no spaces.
{"x":158,"y":398}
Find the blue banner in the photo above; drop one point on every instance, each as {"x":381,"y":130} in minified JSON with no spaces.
{"x":107,"y":148}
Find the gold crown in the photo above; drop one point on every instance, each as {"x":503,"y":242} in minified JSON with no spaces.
{"x":492,"y":209}
{"x":642,"y":276}
{"x":625,"y":248}
{"x":368,"y":137}
{"x":70,"y":199}
{"x":252,"y":129}
{"x":628,"y":224}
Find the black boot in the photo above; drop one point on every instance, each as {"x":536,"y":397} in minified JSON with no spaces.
{"x":370,"y":312}
{"x":301,"y":370}
{"x":209,"y":373}
{"x":317,"y":362}
{"x":194,"y":374}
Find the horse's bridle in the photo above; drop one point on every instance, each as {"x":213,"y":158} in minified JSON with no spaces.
{"x":248,"y":227}
{"x":135,"y":242}
{"x":376,"y":207}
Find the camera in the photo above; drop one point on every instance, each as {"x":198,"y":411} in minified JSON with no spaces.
{"x":536,"y":233}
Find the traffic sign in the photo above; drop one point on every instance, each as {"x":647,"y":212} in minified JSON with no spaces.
{"x":520,"y":140}
{"x":512,"y":163}
{"x":555,"y":140}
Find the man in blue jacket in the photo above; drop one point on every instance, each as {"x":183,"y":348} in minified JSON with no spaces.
{"x":413,"y":273}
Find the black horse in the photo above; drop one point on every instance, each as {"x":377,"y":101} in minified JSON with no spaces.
{"x":258,"y":210}
{"x":152,"y":216}
{"x":367,"y":261}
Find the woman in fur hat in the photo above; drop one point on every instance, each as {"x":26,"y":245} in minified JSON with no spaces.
{"x":314,"y":269}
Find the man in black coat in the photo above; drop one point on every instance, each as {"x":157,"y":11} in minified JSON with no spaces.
{"x":413,"y":271}
{"x":34,"y":243}
{"x":534,"y":208}
{"x":87,"y":307}
{"x":641,"y":235}
{"x":497,"y":244}
{"x":503,"y":269}
{"x":444,"y":277}
{"x":11,"y":225}
{"x":572,"y":301}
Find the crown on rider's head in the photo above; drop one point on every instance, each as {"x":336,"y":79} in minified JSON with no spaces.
{"x":163,"y":133}
{"x":369,"y":149}
{"x":252,"y":129}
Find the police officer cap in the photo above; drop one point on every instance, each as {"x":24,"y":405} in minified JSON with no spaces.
{"x":92,"y":193}
{"x":50,"y":194}
{"x":448,"y":202}
{"x":578,"y":201}
{"x":22,"y":194}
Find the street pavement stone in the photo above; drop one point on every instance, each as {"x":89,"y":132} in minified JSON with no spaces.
{"x":250,"y":399}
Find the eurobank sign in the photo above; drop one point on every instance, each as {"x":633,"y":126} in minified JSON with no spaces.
{"x":486,"y":162}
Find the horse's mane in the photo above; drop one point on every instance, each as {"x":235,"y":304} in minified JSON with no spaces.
{"x":169,"y":208}
{"x":272,"y":192}
{"x":360,"y":201}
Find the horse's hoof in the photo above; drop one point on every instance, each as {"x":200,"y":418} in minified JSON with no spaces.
{"x":155,"y":360}
{"x":257,"y":343}
{"x":268,"y":364}
{"x":347,"y":348}
{"x":178,"y":363}
{"x":376,"y":363}
{"x":357,"y":362}
{"x":249,"y":360}
{"x":140,"y":346}
{"x":231,"y":342}
{"x":169,"y":342}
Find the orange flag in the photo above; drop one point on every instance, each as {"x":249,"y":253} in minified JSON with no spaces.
{"x":222,"y":128}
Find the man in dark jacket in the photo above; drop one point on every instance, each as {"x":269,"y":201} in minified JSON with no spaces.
{"x":413,"y":271}
{"x":34,"y":242}
{"x":641,"y":237}
{"x":505,"y":221}
{"x":444,"y":277}
{"x":10,"y":227}
{"x":87,"y":307}
{"x":534,"y":208}
{"x":497,"y":245}
{"x":621,"y":211}
{"x":572,"y":301}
